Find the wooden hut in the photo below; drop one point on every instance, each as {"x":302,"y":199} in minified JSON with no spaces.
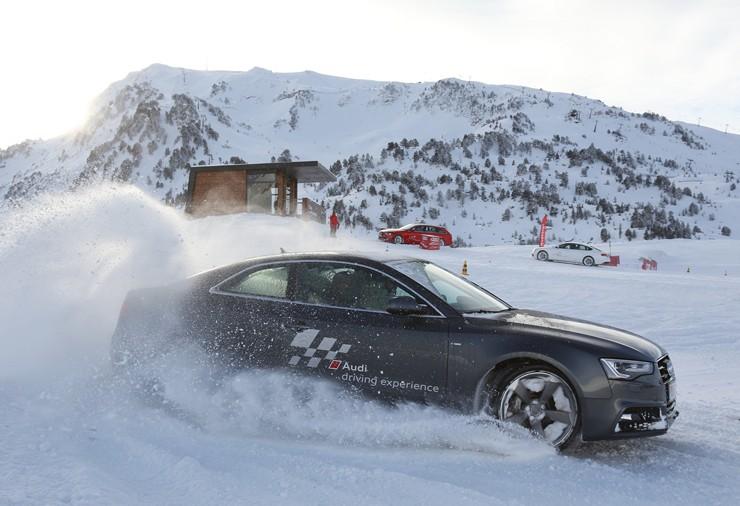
{"x":270,"y":188}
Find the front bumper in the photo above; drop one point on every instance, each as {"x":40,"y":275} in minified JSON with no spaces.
{"x":643,"y":407}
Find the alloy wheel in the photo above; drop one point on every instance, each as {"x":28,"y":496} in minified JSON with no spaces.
{"x":542,"y":402}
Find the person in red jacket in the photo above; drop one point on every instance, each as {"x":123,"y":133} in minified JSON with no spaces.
{"x":333,"y":224}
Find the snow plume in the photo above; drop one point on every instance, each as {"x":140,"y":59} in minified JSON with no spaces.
{"x":69,"y":261}
{"x":271,"y":404}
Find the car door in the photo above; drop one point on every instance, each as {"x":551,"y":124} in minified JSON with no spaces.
{"x":563,"y":252}
{"x":344,"y":333}
{"x":250,"y":315}
{"x":570,"y":253}
{"x":559,"y":252}
{"x":420,"y":231}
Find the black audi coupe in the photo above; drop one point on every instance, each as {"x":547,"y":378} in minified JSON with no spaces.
{"x":406,"y":329}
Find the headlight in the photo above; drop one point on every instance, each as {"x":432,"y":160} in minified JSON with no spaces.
{"x":625,"y":369}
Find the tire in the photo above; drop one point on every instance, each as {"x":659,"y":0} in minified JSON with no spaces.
{"x":543,"y":256}
{"x":589,"y":261}
{"x":538,"y":397}
{"x":398,"y":239}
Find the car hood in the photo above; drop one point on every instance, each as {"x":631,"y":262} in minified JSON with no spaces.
{"x":574,"y":328}
{"x":388,"y":230}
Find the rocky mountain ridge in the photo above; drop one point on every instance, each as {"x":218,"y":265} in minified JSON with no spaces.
{"x":487,"y":161}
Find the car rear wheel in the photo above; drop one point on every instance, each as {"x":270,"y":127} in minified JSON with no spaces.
{"x":543,"y":256}
{"x":588,"y":261}
{"x":398,"y":239}
{"x":538,"y":398}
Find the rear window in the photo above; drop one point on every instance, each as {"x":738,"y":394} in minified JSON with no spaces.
{"x":266,"y":282}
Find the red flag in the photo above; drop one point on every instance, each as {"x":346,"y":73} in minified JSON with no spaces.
{"x":543,"y":230}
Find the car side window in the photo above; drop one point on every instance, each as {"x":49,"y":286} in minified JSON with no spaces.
{"x":345,"y":285}
{"x":265,"y":282}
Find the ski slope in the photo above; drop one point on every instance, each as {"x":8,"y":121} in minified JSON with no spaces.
{"x":71,"y":433}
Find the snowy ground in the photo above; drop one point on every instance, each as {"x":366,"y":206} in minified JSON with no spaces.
{"x":71,"y":433}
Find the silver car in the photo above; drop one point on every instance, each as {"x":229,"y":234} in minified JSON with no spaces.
{"x":572,"y":252}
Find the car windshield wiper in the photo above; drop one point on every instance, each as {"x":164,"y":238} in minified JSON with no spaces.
{"x":485,"y":311}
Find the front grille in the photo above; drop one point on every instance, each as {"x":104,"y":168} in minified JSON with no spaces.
{"x":665,"y":368}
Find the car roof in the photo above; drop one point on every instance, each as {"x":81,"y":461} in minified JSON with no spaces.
{"x":377,"y":256}
{"x":345,"y":256}
{"x":581,"y":243}
{"x":415,"y":225}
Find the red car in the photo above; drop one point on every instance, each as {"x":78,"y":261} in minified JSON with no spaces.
{"x":411,"y":234}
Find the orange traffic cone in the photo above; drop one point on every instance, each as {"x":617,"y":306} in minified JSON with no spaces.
{"x":465,"y":268}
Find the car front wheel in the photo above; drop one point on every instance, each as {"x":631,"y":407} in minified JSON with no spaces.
{"x":542,"y":255}
{"x":398,"y":239}
{"x":588,"y":261}
{"x":538,"y":398}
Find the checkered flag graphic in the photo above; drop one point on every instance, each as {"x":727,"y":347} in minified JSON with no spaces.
{"x":315,"y":353}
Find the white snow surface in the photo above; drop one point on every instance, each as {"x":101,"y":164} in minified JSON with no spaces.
{"x":71,"y":433}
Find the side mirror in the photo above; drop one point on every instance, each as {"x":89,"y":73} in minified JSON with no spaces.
{"x":405,"y":306}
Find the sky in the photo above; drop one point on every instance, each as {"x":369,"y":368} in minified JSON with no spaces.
{"x":680,"y":58}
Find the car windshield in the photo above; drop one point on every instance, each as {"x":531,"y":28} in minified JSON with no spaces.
{"x":459,"y":293}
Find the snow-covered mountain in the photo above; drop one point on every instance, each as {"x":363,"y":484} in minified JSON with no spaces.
{"x":485,"y":160}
